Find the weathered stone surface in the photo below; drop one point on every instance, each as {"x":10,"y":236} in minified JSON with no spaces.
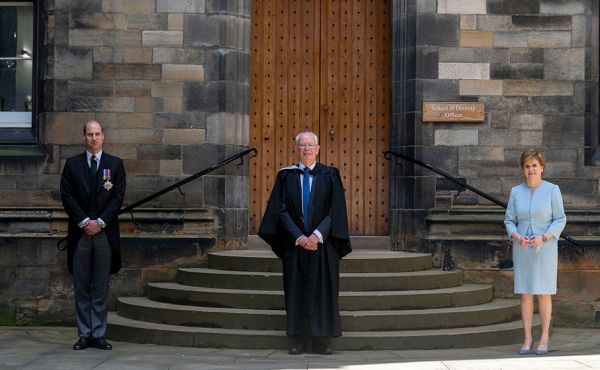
{"x":511,"y":7}
{"x":172,"y":105}
{"x":437,"y":30}
{"x":170,"y":167}
{"x":201,"y":30}
{"x":527,"y":121}
{"x":480,"y":87}
{"x":537,"y":88}
{"x":563,"y":7}
{"x":426,"y":6}
{"x":517,"y":71}
{"x":553,"y":104}
{"x":225,"y":128}
{"x":180,"y":120}
{"x":132,"y":88}
{"x":498,"y":137}
{"x":188,"y":55}
{"x":549,"y":39}
{"x":98,"y":37}
{"x":456,"y":137}
{"x":510,"y":40}
{"x":97,"y":20}
{"x":214,"y":191}
{"x":482,"y":153}
{"x":476,"y":39}
{"x":184,"y":136}
{"x":104,"y":54}
{"x":182,"y":72}
{"x":164,"y":152}
{"x":129,"y":7}
{"x":142,"y":167}
{"x":133,"y":136}
{"x":531,"y":139}
{"x":175,"y":22}
{"x":469,"y":55}
{"x":147,"y":104}
{"x":578,"y":31}
{"x":66,"y":127}
{"x":468,"y":22}
{"x":225,"y":64}
{"x":526,"y":55}
{"x":125,"y":120}
{"x":564,"y":64}
{"x":563,"y":131}
{"x":126,"y":72}
{"x":461,"y":6}
{"x":197,"y":157}
{"x":494,"y":23}
{"x":241,"y":7}
{"x":72,"y":63}
{"x":549,"y":23}
{"x":100,"y":104}
{"x":166,"y":89}
{"x":137,"y":55}
{"x":466,"y":71}
{"x":147,"y":21}
{"x":180,"y":6}
{"x":100,"y":88}
{"x":162,"y":38}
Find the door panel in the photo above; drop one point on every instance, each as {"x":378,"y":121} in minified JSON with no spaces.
{"x":323,"y":66}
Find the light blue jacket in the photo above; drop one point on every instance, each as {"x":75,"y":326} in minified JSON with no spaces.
{"x":535,"y":213}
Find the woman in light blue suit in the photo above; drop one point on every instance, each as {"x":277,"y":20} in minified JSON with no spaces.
{"x":534,"y":219}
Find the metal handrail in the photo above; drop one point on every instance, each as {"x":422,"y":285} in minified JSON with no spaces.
{"x":580,"y":250}
{"x":61,"y":243}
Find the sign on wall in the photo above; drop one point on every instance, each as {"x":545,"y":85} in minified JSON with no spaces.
{"x":453,"y":112}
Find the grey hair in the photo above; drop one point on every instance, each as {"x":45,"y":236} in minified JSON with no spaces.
{"x":297,"y":139}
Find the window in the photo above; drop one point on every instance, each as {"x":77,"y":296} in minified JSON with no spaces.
{"x":17,"y":71}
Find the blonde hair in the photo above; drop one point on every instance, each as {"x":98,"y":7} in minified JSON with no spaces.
{"x":532,"y":154}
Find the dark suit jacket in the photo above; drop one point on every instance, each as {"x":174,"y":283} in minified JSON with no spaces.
{"x":283,"y":221}
{"x":75,"y":195}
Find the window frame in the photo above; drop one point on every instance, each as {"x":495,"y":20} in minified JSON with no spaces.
{"x":30,"y":135}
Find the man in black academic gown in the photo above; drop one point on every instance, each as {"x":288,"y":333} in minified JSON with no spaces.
{"x":306,"y":225}
{"x":92,"y":188}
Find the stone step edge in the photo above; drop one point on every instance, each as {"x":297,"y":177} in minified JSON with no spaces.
{"x":464,"y":288}
{"x":496,"y":304}
{"x":115,"y":319}
{"x":431,"y":272}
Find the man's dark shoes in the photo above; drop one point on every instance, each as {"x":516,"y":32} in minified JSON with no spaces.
{"x":82,"y":343}
{"x":297,"y":348}
{"x":321,"y":348}
{"x":101,"y":343}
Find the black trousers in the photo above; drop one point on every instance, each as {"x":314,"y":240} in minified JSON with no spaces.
{"x":91,"y":279}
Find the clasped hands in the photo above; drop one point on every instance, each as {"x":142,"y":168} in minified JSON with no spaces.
{"x":529,"y":241}
{"x":92,"y":227}
{"x":310,"y":243}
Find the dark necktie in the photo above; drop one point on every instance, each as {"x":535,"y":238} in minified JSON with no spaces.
{"x":94,"y":166}
{"x":306,"y":195}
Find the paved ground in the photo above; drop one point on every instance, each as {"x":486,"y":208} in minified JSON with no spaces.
{"x":50,"y":348}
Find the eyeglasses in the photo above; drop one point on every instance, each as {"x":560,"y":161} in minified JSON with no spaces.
{"x":306,"y":146}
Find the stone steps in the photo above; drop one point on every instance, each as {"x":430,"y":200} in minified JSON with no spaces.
{"x":144,"y":309}
{"x":428,"y":279}
{"x":459,"y":296}
{"x":125,"y":329}
{"x":388,"y":300}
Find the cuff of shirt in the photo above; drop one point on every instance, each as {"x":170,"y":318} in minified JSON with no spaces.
{"x":83,"y":222}
{"x":319,"y":235}
{"x":297,"y":240}
{"x":101,"y":222}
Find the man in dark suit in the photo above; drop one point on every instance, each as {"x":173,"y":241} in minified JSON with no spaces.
{"x":92,"y":189}
{"x":306,"y":225}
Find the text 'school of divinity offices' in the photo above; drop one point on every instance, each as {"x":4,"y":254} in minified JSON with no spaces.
{"x":465,"y":85}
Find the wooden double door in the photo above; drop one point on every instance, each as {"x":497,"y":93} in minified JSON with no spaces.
{"x":323,"y":66}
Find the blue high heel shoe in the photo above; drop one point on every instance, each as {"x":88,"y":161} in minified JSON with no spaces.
{"x":526,"y":351}
{"x":541,"y":351}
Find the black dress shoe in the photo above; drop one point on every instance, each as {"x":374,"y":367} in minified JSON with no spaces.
{"x":318,"y":346}
{"x":82,"y":343}
{"x":297,"y":349}
{"x":101,"y":343}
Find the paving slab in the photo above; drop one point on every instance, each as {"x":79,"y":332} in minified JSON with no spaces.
{"x":50,"y":348}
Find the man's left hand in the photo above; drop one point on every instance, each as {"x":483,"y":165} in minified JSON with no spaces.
{"x":92,"y":228}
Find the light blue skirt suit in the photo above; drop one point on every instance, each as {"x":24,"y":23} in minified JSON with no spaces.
{"x":535,"y":212}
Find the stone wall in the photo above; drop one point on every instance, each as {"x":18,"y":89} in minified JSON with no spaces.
{"x":169,"y":81}
{"x":534,"y":65}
